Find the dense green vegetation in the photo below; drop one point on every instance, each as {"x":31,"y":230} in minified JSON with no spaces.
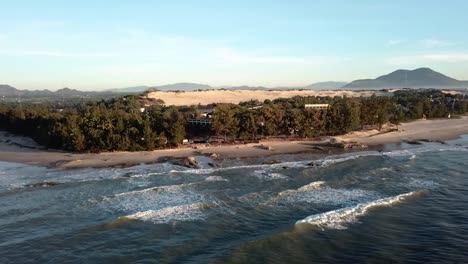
{"x":118,"y":124}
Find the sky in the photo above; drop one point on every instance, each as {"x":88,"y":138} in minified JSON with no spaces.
{"x":94,"y":45}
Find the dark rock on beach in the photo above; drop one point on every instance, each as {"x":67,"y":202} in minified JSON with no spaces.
{"x":313,"y":164}
{"x":189,"y":162}
{"x":271,"y":162}
{"x":413,"y":142}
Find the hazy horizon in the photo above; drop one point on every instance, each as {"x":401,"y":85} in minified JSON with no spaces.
{"x":115,"y":44}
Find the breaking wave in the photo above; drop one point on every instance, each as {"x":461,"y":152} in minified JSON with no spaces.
{"x":337,"y":219}
{"x":265,"y":175}
{"x":308,"y":187}
{"x":166,"y":188}
{"x":215,"y":178}
{"x":171,"y":214}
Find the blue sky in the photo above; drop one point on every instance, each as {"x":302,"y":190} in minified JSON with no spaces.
{"x":107,"y":44}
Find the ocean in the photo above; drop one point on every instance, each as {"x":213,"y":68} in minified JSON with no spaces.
{"x":404,"y":204}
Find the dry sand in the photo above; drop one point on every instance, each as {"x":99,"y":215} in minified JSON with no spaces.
{"x":434,"y":129}
{"x":236,"y":96}
{"x":23,"y":150}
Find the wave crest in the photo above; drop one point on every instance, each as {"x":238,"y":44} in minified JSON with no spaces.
{"x":308,"y":187}
{"x":171,"y":214}
{"x":337,"y":219}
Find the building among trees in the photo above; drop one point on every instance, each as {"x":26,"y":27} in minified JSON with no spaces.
{"x":316,"y":106}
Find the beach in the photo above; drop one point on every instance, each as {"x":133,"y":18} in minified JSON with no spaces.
{"x":24,"y":150}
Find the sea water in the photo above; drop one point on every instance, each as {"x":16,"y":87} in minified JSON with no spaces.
{"x":402,"y":204}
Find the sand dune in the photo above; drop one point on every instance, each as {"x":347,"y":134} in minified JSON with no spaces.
{"x":236,"y":96}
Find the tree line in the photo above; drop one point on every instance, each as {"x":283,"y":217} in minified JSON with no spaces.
{"x":119,"y":124}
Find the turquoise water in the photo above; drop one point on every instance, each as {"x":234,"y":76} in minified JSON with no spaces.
{"x":406,"y":204}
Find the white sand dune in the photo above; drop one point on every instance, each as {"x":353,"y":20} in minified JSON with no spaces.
{"x":236,"y":96}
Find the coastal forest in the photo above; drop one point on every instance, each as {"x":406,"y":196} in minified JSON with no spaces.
{"x":128,"y":123}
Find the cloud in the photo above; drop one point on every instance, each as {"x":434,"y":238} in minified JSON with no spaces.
{"x":394,"y":42}
{"x":425,"y":43}
{"x":450,"y":57}
{"x":48,"y":53}
{"x":428,"y":58}
{"x":436,"y":43}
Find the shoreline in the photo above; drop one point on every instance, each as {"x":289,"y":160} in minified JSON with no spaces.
{"x":23,"y":150}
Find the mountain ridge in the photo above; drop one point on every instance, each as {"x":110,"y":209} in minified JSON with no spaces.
{"x":417,"y":78}
{"x":326,"y":85}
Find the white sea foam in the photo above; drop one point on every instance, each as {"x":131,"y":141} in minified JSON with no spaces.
{"x":308,"y":187}
{"x":165,"y":188}
{"x":317,"y":193}
{"x":398,"y":153}
{"x":337,"y":219}
{"x":194,"y":171}
{"x":215,"y":178}
{"x":419,"y":183}
{"x":411,"y":153}
{"x":154,"y":198}
{"x":275,"y":175}
{"x":145,"y":175}
{"x":177,"y":213}
{"x":327,"y":162}
{"x":327,"y":196}
{"x":311,"y":186}
{"x":260,"y":167}
{"x":265,"y":175}
{"x":381,"y":170}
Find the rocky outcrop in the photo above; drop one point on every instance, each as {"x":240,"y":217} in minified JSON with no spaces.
{"x":352,"y":145}
{"x":190,"y":162}
{"x":214,"y":155}
{"x":266,"y":147}
{"x":347,"y":145}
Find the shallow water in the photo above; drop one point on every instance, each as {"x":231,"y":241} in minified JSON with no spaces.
{"x":369,"y":207}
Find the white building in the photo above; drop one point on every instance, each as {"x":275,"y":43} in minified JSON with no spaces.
{"x":316,"y":106}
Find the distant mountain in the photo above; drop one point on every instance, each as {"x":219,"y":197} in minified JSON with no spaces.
{"x":134,"y":89}
{"x":10,"y":93}
{"x":182,"y":87}
{"x":69,"y":92}
{"x":419,"y":78}
{"x":245,"y":87}
{"x":326,"y":85}
{"x":6,"y":90}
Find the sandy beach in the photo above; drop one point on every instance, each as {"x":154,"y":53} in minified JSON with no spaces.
{"x":24,"y":150}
